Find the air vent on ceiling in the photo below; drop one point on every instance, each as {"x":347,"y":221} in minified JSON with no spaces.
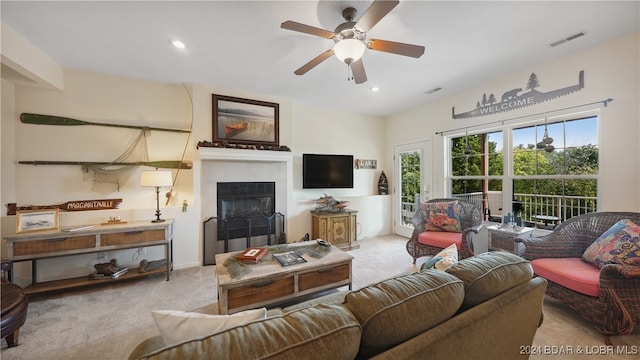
{"x":429,"y":92}
{"x":569,"y":38}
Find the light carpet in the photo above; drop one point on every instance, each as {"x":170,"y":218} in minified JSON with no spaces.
{"x":108,"y":321}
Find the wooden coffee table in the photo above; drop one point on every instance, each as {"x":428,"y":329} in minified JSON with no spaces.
{"x":269,"y":283}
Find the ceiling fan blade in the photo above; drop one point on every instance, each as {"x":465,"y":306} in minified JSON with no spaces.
{"x":376,"y":11}
{"x":307,"y":29}
{"x":357,"y":69}
{"x":396,"y":47}
{"x":314,"y":62}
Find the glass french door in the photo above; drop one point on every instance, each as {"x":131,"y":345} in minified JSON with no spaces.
{"x":411,"y":174}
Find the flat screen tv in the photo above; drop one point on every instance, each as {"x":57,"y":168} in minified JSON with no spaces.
{"x":327,"y":171}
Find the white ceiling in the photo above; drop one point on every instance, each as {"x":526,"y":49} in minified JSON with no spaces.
{"x":239,"y":44}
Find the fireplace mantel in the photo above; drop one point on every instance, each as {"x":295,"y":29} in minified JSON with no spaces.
{"x":224,"y":154}
{"x":239,"y":165}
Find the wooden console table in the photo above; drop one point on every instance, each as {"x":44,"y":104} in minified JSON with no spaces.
{"x":339,"y":228}
{"x":100,"y":238}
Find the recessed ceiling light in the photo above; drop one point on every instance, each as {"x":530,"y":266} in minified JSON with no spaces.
{"x":374,"y":88}
{"x":179,"y":44}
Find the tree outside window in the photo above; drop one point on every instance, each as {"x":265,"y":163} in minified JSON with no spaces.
{"x":558,"y":181}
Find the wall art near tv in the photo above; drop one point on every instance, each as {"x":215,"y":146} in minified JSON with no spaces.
{"x":245,"y":121}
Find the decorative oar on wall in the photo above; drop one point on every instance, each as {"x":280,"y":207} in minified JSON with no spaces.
{"x":166,"y":164}
{"x":39,"y":119}
{"x":108,"y":172}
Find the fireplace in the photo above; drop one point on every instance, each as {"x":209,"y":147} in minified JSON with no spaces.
{"x":222,"y":165}
{"x":245,"y":207}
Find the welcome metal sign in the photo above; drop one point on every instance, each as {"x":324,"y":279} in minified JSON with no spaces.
{"x":516,"y":99}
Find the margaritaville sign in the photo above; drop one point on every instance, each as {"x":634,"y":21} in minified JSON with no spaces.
{"x":77,"y":205}
{"x":516,"y":99}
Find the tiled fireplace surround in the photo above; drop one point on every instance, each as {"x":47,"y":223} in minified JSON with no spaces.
{"x":236,"y":165}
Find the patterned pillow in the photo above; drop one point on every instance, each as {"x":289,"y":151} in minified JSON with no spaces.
{"x":442,"y":216}
{"x":618,"y":245}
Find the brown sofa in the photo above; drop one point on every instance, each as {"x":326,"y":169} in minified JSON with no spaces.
{"x":487,"y":306}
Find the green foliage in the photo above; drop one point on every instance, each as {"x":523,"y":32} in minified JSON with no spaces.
{"x":581,"y":160}
{"x":410,"y":173}
{"x":527,"y":161}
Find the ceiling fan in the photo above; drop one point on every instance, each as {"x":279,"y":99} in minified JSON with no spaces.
{"x":351,"y":40}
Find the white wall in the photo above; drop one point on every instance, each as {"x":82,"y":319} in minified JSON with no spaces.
{"x":611,"y":71}
{"x":107,"y":99}
{"x":319,"y":130}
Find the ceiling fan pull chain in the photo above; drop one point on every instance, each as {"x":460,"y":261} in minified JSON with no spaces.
{"x":349,"y":72}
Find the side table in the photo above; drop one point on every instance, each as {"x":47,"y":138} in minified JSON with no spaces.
{"x":503,"y":238}
{"x":338,"y":228}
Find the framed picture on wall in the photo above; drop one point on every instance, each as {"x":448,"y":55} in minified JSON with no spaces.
{"x":245,"y":121}
{"x":36,"y":220}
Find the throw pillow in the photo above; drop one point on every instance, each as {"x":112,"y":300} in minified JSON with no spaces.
{"x":178,"y":326}
{"x":448,"y":257}
{"x":430,"y":262}
{"x":442,"y":216}
{"x":618,"y":245}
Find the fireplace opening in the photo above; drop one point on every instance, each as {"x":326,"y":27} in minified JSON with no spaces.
{"x":246,"y":208}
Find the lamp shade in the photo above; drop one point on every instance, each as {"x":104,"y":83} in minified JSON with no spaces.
{"x":155,"y":178}
{"x":349,"y":49}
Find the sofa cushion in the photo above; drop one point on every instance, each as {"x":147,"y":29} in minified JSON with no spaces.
{"x":401,"y":307}
{"x":442,"y":216}
{"x":177,"y":326}
{"x":489,"y":274}
{"x":318,"y":332}
{"x":618,"y":245}
{"x":572,"y":273}
{"x":440,"y":239}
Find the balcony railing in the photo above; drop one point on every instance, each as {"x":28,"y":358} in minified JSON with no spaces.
{"x":532,"y":205}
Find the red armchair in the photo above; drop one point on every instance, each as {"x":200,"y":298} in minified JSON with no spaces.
{"x":424,"y":242}
{"x":608,"y":297}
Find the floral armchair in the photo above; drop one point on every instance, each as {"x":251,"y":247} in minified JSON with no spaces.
{"x":439,"y":223}
{"x":606,"y":293}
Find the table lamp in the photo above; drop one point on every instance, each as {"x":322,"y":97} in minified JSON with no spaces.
{"x":156,"y":179}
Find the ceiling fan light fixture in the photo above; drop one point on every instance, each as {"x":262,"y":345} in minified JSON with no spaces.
{"x":352,"y":49}
{"x":178,"y":44}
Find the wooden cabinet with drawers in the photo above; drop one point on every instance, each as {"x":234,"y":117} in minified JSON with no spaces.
{"x":338,"y":228}
{"x":99,"y":238}
{"x":267,"y":283}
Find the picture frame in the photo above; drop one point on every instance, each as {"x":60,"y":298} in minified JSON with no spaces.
{"x":244,"y":121}
{"x":37,"y":220}
{"x":366,"y":164}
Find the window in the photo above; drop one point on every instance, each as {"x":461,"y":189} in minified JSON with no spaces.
{"x":546,"y":172}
